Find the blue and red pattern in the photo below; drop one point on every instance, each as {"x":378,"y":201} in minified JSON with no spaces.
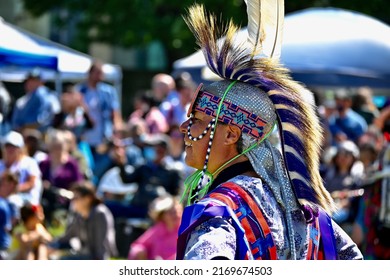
{"x":251,"y":225}
{"x":257,"y":231}
{"x":231,"y":114}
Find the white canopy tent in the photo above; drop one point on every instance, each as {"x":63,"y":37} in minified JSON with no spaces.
{"x":325,"y":47}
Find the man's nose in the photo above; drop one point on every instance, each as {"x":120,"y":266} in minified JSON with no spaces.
{"x":183,"y":126}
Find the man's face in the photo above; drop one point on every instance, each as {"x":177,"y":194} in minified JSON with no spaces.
{"x":96,"y":74}
{"x":11,"y":152}
{"x":343,"y":104}
{"x":31,"y":84}
{"x":160,"y":90}
{"x":196,"y":150}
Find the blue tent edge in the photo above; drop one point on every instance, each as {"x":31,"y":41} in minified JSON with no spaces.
{"x":22,"y":59}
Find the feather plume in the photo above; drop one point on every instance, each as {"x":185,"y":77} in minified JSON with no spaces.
{"x":265,"y":26}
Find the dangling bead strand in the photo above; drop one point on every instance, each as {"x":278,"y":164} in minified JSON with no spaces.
{"x":199,"y":188}
{"x":211,"y":126}
{"x":192,"y":138}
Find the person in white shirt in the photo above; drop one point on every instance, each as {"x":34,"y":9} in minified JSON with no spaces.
{"x":26,"y":168}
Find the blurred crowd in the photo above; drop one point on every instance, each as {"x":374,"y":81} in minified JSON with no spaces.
{"x":80,"y":181}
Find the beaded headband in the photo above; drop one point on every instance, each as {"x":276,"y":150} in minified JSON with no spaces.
{"x":230,"y":113}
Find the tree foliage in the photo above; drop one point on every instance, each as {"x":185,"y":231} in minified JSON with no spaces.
{"x":135,"y":23}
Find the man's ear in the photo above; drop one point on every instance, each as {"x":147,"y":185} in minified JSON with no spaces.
{"x":233,"y":134}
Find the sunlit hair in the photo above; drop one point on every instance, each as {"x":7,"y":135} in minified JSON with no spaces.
{"x":57,"y":137}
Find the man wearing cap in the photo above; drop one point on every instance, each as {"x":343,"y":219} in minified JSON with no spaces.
{"x":36,"y":108}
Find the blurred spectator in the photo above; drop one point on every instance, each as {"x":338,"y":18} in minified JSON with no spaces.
{"x":83,"y":157}
{"x":5,"y":109}
{"x":325,"y":111}
{"x":102,"y":103}
{"x":371,"y":230}
{"x":345,"y":174}
{"x":59,"y":171}
{"x":382,"y":122}
{"x":369,"y":158}
{"x":148,"y":111}
{"x":92,"y":226}
{"x":373,"y":136}
{"x":36,"y":108}
{"x":121,"y":139}
{"x":344,"y":164}
{"x":34,"y":237}
{"x":175,"y":111}
{"x":74,"y":114}
{"x":363,"y":104}
{"x":138,"y":131}
{"x":346,"y":124}
{"x":26,"y":168}
{"x":33,"y":140}
{"x":166,"y":214}
{"x":154,"y":178}
{"x":163,"y":88}
{"x":8,"y":184}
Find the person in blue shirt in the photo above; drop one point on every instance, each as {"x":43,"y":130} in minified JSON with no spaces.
{"x":346,"y":124}
{"x":102,"y":102}
{"x":35,"y":109}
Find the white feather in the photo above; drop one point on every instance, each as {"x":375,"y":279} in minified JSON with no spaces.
{"x":265,"y":26}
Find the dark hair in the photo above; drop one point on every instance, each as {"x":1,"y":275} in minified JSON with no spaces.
{"x":86,"y":188}
{"x":95,"y":65}
{"x":28,"y":211}
{"x":184,"y":80}
{"x":68,"y":87}
{"x":148,"y":98}
{"x":370,"y":148}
